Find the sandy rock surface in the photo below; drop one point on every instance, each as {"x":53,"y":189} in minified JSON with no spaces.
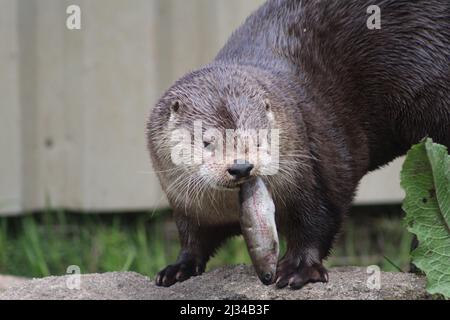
{"x":7,"y":282}
{"x":231,"y":282}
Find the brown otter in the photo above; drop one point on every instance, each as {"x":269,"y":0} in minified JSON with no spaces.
{"x":346,"y":100}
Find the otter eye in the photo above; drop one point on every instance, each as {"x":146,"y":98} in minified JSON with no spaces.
{"x":206,"y":144}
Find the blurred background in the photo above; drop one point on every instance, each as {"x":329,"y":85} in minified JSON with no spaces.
{"x":76,"y":182}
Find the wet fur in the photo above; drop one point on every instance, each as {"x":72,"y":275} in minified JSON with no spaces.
{"x":347,"y":98}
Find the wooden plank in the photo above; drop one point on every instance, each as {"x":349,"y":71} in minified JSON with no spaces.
{"x":119,"y":89}
{"x":382,"y":186}
{"x":10,"y":113}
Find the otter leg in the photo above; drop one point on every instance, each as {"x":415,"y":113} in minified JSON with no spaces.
{"x":198,"y":244}
{"x":308,"y":243}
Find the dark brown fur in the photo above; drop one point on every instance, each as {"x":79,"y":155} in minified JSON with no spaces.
{"x":350,"y":98}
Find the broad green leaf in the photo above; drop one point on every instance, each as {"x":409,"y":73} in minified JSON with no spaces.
{"x":425,"y":178}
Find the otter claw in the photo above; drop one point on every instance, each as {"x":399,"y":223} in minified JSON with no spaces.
{"x":177,"y":272}
{"x":298,"y":277}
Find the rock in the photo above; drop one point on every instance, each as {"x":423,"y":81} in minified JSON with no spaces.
{"x":231,"y":282}
{"x":7,"y":282}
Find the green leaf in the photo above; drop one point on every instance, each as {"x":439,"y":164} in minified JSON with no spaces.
{"x":425,"y":178}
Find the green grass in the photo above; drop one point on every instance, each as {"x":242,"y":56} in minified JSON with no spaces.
{"x":47,"y":243}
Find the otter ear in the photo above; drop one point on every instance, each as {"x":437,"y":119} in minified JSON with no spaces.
{"x":269,"y":112}
{"x":174,"y":109}
{"x":267,"y":105}
{"x":175,"y":106}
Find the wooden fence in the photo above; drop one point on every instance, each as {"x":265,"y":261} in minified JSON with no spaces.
{"x":74,"y":102}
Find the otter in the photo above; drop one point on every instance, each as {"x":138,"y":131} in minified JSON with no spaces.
{"x":346,"y":100}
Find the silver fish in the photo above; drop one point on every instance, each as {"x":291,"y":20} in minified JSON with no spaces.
{"x":257,"y":219}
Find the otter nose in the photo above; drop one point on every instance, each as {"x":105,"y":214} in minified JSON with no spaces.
{"x":240,"y":169}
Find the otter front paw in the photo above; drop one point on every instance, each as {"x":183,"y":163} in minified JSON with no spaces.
{"x":178,"y":272}
{"x":296,"y":276}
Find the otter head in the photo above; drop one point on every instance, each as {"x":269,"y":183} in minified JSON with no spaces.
{"x":215,"y":128}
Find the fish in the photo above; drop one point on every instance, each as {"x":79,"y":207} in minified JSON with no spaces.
{"x":257,"y":220}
